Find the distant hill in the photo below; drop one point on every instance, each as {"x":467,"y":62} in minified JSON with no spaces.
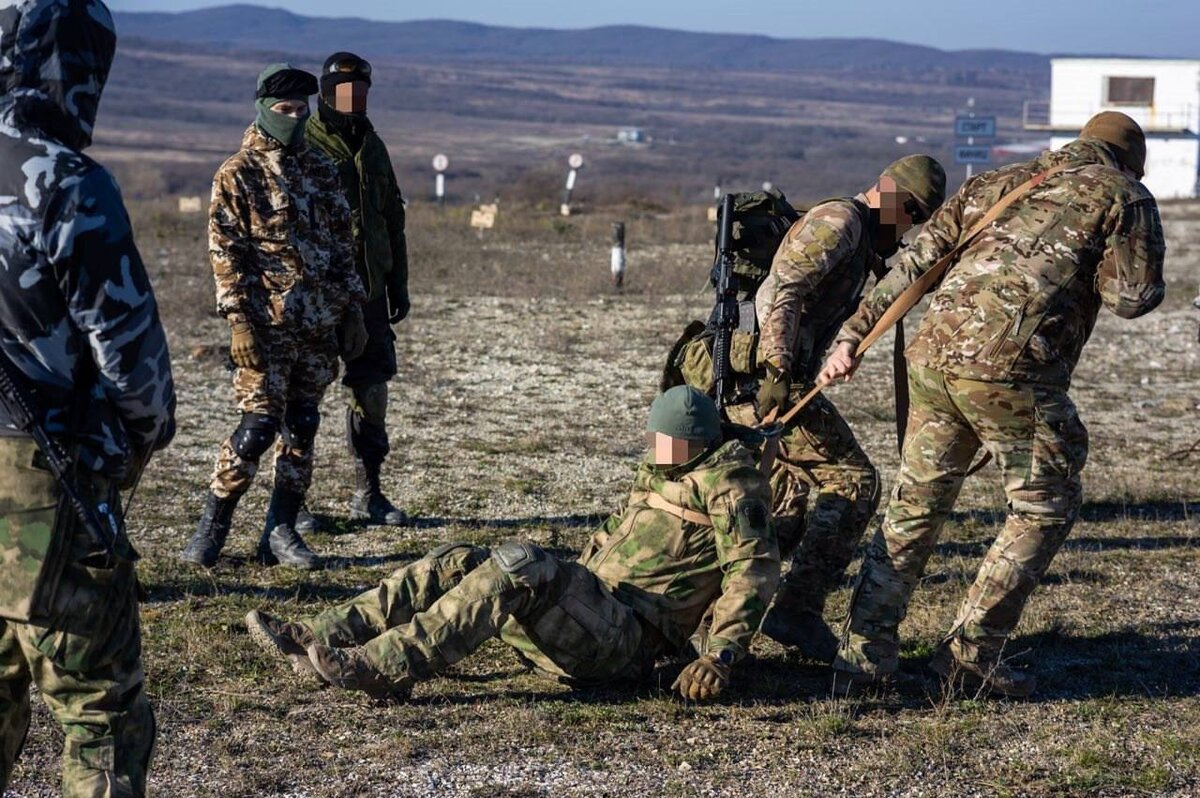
{"x":240,"y":27}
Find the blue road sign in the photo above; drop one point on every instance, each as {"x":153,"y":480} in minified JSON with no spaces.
{"x":973,"y":153}
{"x":980,"y":127}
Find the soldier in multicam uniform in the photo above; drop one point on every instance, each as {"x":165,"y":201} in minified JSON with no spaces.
{"x":695,"y":533}
{"x":990,"y":367}
{"x":341,"y":130}
{"x":815,"y":283}
{"x":78,"y":321}
{"x":279,"y":242}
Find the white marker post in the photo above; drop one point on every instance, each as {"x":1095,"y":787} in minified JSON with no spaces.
{"x":576,"y":163}
{"x":618,"y":255}
{"x":440,"y":164}
{"x":768,"y":185}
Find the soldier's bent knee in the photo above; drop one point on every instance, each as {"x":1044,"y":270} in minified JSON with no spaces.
{"x":466,"y":554}
{"x":254,"y":435}
{"x":522,"y":558}
{"x":301,"y":421}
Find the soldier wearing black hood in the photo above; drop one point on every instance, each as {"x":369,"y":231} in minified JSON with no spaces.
{"x":79,"y":324}
{"x":342,"y":131}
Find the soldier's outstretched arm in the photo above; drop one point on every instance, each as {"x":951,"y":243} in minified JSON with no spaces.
{"x":749,"y":557}
{"x":1130,"y":277}
{"x":110,"y":300}
{"x":938,"y":237}
{"x":812,"y":249}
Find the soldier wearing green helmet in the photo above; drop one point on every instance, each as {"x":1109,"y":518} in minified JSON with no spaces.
{"x":815,"y":283}
{"x":695,"y":534}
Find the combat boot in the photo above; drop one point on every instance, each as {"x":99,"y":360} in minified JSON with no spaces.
{"x":280,"y":544}
{"x":803,"y":630}
{"x":368,"y":502}
{"x":211,"y":531}
{"x":979,"y":677}
{"x":306,"y":522}
{"x":284,"y":639}
{"x":349,"y":669}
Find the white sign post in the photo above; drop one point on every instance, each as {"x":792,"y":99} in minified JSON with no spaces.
{"x":440,"y":164}
{"x":618,"y":255}
{"x":576,"y":163}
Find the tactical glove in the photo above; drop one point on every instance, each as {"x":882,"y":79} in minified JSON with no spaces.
{"x":243,"y":347}
{"x":352,"y":334}
{"x":773,"y":392}
{"x":397,"y":297}
{"x":704,"y":678}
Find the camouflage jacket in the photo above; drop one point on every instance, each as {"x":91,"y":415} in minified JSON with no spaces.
{"x":279,"y":238}
{"x":1022,"y":299}
{"x":376,"y":205}
{"x":816,"y":282}
{"x":77,"y":313}
{"x":670,"y":570}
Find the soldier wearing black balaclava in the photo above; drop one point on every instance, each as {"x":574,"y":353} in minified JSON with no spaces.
{"x":341,"y":130}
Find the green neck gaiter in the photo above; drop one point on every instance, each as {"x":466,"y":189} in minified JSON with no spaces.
{"x":287,"y":130}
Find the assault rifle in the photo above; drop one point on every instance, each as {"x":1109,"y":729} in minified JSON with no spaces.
{"x":98,"y":520}
{"x":725,"y":313}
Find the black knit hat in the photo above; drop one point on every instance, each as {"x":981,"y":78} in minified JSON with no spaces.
{"x":343,"y":68}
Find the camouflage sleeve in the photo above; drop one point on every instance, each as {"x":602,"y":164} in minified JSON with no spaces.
{"x":111,"y":302}
{"x":939,"y":236}
{"x":1130,"y":278}
{"x":749,"y":558}
{"x":342,"y":238}
{"x":815,"y":246}
{"x":230,"y":248}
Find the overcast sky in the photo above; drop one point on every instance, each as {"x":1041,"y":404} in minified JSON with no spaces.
{"x":1140,"y":27}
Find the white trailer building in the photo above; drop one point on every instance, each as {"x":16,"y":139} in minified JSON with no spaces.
{"x":1162,"y":95}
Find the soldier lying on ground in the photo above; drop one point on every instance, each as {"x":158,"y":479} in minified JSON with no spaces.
{"x":280,"y":245}
{"x":695,"y":533}
{"x":990,"y":366}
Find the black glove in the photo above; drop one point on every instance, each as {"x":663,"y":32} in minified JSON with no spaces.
{"x":773,"y":392}
{"x":397,"y":296}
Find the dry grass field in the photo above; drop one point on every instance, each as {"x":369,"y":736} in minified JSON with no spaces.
{"x":523,"y":387}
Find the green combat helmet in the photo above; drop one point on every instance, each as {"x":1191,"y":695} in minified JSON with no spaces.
{"x":685,"y":413}
{"x":923,"y":178}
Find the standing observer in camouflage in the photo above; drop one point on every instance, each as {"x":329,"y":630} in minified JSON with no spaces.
{"x":79,"y":323}
{"x":341,"y":130}
{"x":815,"y":283}
{"x":279,"y":241}
{"x":694,"y":534}
{"x":990,"y":367}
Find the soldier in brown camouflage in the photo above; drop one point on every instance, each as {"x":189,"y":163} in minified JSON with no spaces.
{"x":990,"y":368}
{"x":280,"y":246}
{"x":815,"y":283}
{"x":694,"y":534}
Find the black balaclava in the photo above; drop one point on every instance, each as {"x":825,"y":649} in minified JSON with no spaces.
{"x":344,"y":68}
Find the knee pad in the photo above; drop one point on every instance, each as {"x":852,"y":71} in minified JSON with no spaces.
{"x":254,"y":435}
{"x":522,"y":558}
{"x":300,"y":424}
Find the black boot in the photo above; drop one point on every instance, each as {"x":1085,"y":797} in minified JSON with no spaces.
{"x":306,"y":522}
{"x":280,"y":543}
{"x":368,"y":502}
{"x":211,"y":531}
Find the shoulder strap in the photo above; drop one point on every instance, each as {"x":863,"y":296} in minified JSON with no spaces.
{"x":683,"y":513}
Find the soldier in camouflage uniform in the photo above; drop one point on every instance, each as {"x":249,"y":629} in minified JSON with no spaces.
{"x":79,"y":324}
{"x":695,"y":533}
{"x":815,"y":283}
{"x":279,"y":242}
{"x":341,"y":130}
{"x":990,"y":367}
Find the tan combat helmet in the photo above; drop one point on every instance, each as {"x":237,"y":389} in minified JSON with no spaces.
{"x":1123,"y":136}
{"x":923,"y":178}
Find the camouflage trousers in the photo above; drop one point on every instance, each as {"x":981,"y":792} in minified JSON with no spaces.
{"x":296,"y":376}
{"x":84,"y":657}
{"x":1040,"y":447}
{"x":432,"y":613}
{"x":818,"y":453}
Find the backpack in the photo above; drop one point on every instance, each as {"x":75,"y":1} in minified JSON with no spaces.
{"x":760,"y":221}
